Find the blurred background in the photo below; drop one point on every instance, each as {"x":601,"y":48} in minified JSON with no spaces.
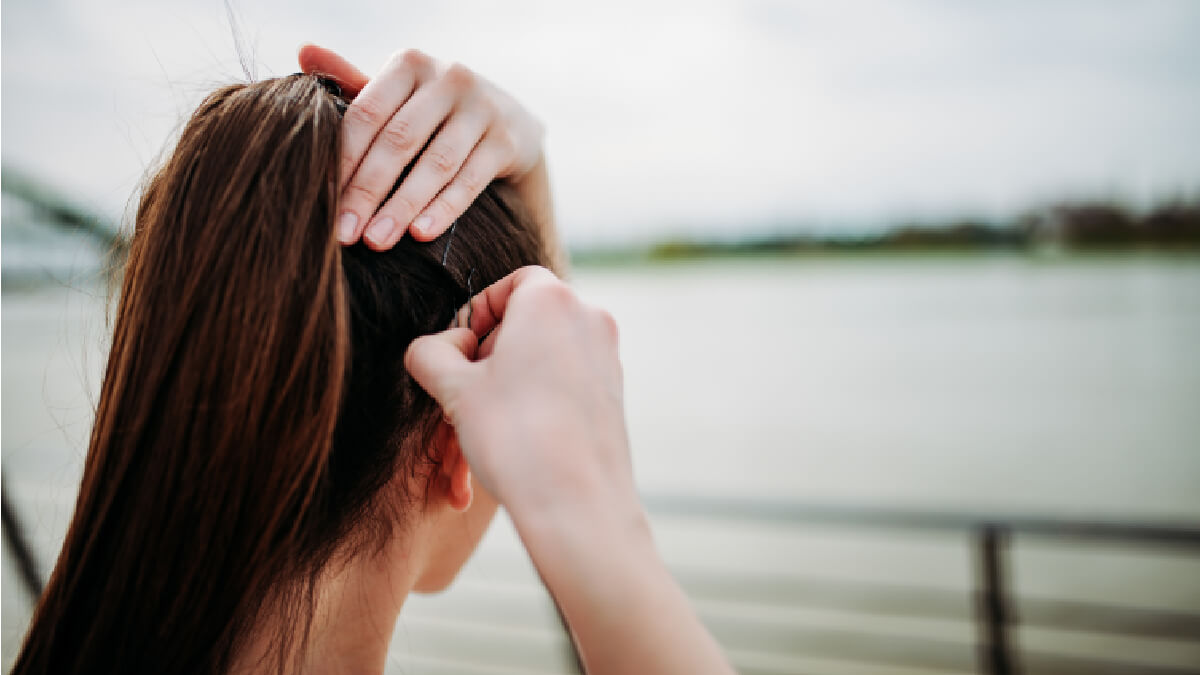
{"x":909,"y":296}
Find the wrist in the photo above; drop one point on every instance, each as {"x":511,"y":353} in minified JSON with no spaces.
{"x":625,"y":611}
{"x":586,"y":538}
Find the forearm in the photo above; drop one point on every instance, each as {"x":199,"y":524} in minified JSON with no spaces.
{"x":534,"y":189}
{"x":627,"y":613}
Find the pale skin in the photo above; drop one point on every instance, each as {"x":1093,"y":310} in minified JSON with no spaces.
{"x":531,"y":391}
{"x":475,"y":133}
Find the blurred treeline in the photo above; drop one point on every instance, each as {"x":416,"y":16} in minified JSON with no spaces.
{"x":1081,"y":225}
{"x":1068,"y":226}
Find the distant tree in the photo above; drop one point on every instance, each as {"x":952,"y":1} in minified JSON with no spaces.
{"x":1173,"y":224}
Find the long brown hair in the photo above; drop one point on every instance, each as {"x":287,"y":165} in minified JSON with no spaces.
{"x":255,"y":400}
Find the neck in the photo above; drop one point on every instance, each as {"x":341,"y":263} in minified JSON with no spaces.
{"x":356,"y":609}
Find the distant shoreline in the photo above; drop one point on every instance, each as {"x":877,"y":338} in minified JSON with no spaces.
{"x":649,"y":256}
{"x":1069,"y":228}
{"x":1107,"y":228}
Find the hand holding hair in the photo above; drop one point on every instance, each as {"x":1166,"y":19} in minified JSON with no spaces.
{"x":461,"y":130}
{"x":538,"y":410}
{"x":541,"y":396}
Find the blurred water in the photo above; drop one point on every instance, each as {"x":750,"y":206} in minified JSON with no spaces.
{"x":995,"y":383}
{"x":1006,"y":383}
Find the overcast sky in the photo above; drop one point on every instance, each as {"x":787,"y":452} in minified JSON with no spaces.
{"x":705,"y":116}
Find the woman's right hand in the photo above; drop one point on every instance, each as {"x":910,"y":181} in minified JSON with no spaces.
{"x":537,"y":406}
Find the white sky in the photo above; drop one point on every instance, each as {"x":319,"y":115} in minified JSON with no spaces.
{"x":706,"y":116}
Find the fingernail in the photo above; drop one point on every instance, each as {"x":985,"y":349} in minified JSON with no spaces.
{"x":346,"y":224}
{"x":423,"y":223}
{"x":380,"y":230}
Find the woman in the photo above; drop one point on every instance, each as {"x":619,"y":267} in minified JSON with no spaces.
{"x":285,"y":446}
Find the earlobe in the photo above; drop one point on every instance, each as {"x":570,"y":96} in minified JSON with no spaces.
{"x":461,"y":493}
{"x":456,"y":475}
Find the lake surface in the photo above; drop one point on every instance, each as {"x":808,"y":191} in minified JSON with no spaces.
{"x":1011,"y":384}
{"x":995,"y":383}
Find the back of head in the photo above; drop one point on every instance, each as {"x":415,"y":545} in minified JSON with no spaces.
{"x":255,"y":400}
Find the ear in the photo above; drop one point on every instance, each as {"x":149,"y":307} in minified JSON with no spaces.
{"x":453,"y":474}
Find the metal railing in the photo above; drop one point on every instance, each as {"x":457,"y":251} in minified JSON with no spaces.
{"x":17,"y":543}
{"x":997,"y":608}
{"x":996,"y":611}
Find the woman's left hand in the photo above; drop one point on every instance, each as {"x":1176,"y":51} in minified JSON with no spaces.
{"x":462,"y":131}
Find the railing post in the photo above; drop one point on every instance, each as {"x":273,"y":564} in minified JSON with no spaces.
{"x":991,"y":602}
{"x":18,"y":544}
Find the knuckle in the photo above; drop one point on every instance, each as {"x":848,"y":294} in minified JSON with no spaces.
{"x":443,"y":207}
{"x":366,"y":109}
{"x":441,"y":158}
{"x":362,"y":193}
{"x":413,"y":58}
{"x":402,"y":207}
{"x":608,"y":323}
{"x":460,"y":77}
{"x":507,"y":140}
{"x":488,"y":107}
{"x":471,"y":181}
{"x":365,"y":112}
{"x":557,"y":294}
{"x":398,"y":135}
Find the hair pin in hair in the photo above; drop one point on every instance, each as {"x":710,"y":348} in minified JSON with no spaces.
{"x":470,"y":296}
{"x":459,"y":320}
{"x":470,"y":291}
{"x":449,"y":238}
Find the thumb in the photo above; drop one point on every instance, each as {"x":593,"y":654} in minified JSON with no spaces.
{"x":319,"y":60}
{"x":441,"y":363}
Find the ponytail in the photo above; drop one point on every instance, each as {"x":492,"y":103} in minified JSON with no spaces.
{"x":219,"y":402}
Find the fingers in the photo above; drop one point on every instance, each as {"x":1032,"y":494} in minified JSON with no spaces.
{"x":370,"y":122}
{"x":437,"y":166}
{"x":490,"y":304}
{"x":481,"y":133}
{"x":316,"y":60}
{"x":399,"y":140}
{"x":484,"y":163}
{"x":378,"y":101}
{"x":484,"y":312}
{"x":440,"y":364}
